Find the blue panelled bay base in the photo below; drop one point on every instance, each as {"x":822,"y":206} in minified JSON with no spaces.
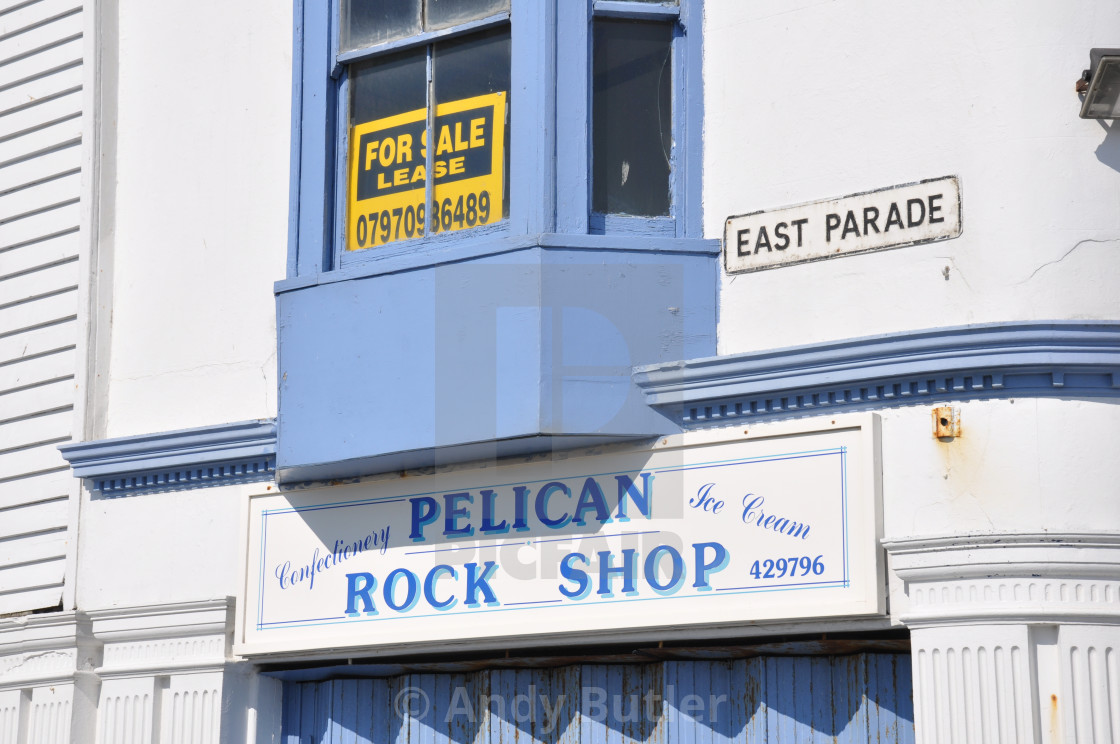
{"x":526,"y":351}
{"x":857,"y":698}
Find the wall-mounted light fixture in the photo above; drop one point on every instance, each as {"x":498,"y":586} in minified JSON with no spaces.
{"x":1101,"y":85}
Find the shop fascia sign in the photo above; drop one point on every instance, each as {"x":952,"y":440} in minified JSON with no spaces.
{"x":910,"y":214}
{"x":694,"y":532}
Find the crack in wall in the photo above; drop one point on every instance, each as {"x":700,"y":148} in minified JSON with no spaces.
{"x":13,"y":665}
{"x":245,"y":365}
{"x":1066,"y":255}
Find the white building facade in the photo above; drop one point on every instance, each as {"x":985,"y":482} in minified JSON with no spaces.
{"x":567,"y":370}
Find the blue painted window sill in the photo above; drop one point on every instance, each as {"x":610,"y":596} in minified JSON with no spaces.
{"x":430,"y":253}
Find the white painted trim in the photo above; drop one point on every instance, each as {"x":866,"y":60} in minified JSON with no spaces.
{"x":1001,"y":627}
{"x":86,"y":272}
{"x":1018,"y":578}
{"x":98,"y":216}
{"x":43,"y":649}
{"x":164,"y":639}
{"x":153,"y":658}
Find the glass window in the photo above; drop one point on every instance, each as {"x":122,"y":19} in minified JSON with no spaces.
{"x":445,"y":13}
{"x":388,"y":85}
{"x":439,"y":72}
{"x":631,"y":105}
{"x":367,"y":22}
{"x":399,"y":188}
{"x":471,"y":80}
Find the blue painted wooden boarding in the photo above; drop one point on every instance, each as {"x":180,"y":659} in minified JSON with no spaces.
{"x":772,"y":700}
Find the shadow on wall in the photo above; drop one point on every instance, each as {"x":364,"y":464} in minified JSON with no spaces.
{"x":1108,"y":152}
{"x":854,"y":698}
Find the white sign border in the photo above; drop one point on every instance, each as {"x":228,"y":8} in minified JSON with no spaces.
{"x":841,"y":254}
{"x":873,"y":600}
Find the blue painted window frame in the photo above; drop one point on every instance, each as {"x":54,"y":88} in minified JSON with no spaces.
{"x":550,"y":114}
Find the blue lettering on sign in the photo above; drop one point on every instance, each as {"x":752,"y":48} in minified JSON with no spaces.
{"x":754,"y":514}
{"x":627,"y":490}
{"x":520,"y":508}
{"x":542,"y":507}
{"x":628,"y":571}
{"x":719,"y":562}
{"x":704,"y":501}
{"x":411,"y":591}
{"x":358,"y":587}
{"x":425,"y":510}
{"x":676,"y":579}
{"x":591,"y":497}
{"x":343,"y":550}
{"x":402,"y":589}
{"x":576,"y":575}
{"x":455,"y":513}
{"x":430,"y":587}
{"x":543,"y":496}
{"x":488,"y":525}
{"x":552,"y":507}
{"x":480,"y":582}
{"x":709,"y":558}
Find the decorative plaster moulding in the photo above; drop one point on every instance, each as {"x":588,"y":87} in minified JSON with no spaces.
{"x":190,"y":458}
{"x":164,"y":638}
{"x":120,"y":642}
{"x":180,"y":619}
{"x":43,"y":649}
{"x":1067,"y":359}
{"x":1009,"y":578}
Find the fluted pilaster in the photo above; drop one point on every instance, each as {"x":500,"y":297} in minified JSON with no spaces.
{"x":1015,"y":637}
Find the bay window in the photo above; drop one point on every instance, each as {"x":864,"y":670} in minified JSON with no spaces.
{"x":565,"y":116}
{"x":495,"y":215}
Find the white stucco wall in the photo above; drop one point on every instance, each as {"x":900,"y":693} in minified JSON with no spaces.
{"x":807,"y":100}
{"x":797,"y":110}
{"x":803,"y":101}
{"x":1031,"y":465}
{"x":203,"y":120}
{"x":160,"y":548}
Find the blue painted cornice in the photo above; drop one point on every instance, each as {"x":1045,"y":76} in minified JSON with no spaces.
{"x":190,"y":458}
{"x":1022,"y":359}
{"x":1065,"y":359}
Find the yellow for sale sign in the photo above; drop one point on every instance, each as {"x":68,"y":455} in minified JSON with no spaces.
{"x":389,"y":172}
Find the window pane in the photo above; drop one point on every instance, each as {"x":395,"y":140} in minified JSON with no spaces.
{"x":632,"y":117}
{"x":471,"y":78}
{"x":366,"y":22}
{"x":386,"y":176}
{"x":388,"y":85}
{"x":472,"y":65}
{"x":444,"y":13}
